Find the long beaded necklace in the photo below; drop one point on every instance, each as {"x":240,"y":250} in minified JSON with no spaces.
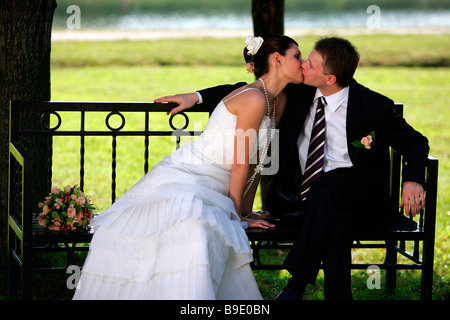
{"x":263,"y":153}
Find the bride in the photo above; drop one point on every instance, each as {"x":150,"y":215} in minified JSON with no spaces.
{"x":178,"y":233}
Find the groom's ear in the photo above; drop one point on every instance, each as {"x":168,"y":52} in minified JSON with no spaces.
{"x":331,"y":79}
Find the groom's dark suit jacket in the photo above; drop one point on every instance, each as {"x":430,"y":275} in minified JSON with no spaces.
{"x":367,"y":111}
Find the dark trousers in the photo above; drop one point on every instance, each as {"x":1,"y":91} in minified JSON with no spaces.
{"x":337,"y":202}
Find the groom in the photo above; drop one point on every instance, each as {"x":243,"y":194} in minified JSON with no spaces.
{"x":349,"y":186}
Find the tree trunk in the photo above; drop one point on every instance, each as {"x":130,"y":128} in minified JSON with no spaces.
{"x":268,"y":17}
{"x":25,"y":41}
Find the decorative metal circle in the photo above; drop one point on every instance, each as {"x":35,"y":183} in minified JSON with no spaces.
{"x":49,"y":113}
{"x":186,"y":119}
{"x":109,"y":116}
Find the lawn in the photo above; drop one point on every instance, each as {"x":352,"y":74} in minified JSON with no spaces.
{"x":415,"y":75}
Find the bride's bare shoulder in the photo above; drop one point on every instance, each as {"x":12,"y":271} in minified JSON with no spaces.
{"x":248,"y":97}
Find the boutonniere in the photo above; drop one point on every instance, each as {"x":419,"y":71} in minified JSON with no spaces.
{"x":365,"y":142}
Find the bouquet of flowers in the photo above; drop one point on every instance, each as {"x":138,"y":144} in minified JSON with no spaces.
{"x":65,"y":209}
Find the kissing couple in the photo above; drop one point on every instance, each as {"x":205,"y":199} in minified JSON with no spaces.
{"x":179,"y":232}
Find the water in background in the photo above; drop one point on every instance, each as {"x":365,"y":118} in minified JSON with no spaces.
{"x":236,"y":14}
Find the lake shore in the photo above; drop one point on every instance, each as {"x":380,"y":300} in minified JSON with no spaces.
{"x":111,"y":35}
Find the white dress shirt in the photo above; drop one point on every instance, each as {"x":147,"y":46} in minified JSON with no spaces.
{"x":336,"y":151}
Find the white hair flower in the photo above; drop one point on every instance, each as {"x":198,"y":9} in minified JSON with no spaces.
{"x":253,"y":44}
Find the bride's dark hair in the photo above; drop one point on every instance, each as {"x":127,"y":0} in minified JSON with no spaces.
{"x":273,"y":43}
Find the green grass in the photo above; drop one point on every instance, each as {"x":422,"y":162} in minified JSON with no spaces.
{"x":378,"y":50}
{"x":143,"y":71}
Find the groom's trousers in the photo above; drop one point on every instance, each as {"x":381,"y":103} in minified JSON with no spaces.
{"x":335,"y":204}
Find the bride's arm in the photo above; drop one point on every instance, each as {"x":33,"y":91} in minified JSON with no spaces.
{"x":248,"y":200}
{"x":248,"y":121}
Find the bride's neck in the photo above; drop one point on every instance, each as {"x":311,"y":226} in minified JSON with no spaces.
{"x":273,"y":87}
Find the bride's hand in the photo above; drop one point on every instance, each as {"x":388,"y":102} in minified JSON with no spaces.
{"x":259,"y":223}
{"x":185,"y":101}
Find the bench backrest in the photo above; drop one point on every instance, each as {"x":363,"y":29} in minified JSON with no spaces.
{"x":21,"y":164}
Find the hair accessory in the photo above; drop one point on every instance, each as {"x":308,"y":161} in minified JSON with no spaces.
{"x":250,"y":67}
{"x":253,"y":44}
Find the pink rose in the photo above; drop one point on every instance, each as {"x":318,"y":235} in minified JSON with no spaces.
{"x":45,"y":210}
{"x":57,"y":222}
{"x":367,"y":141}
{"x":68,"y":188}
{"x":55,"y":190}
{"x":41,"y":221}
{"x":71,"y":211}
{"x":41,"y":204}
{"x":78,"y":220}
{"x":54,"y":228}
{"x":250,"y":67}
{"x":73,"y":197}
{"x":80,"y":201}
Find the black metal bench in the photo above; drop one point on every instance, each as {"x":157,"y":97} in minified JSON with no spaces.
{"x":25,"y":237}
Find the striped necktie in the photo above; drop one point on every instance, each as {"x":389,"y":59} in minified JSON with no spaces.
{"x":314,"y":162}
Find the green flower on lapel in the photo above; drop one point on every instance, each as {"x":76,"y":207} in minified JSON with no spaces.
{"x":365,"y":142}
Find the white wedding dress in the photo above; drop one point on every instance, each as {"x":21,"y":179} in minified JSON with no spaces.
{"x":175,"y":234}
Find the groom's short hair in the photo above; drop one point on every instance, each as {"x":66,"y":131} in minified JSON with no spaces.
{"x":340,"y":57}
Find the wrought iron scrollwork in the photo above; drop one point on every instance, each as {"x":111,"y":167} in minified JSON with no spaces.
{"x":186,"y":119}
{"x":112,"y":114}
{"x":44,"y":125}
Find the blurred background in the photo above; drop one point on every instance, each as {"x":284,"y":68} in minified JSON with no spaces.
{"x":236,"y":14}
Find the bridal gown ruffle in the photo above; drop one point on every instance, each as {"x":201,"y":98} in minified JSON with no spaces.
{"x":175,"y":234}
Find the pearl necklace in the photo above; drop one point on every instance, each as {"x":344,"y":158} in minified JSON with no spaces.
{"x":263,"y":154}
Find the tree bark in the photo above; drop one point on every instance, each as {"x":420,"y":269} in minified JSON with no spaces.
{"x":268,"y":17}
{"x":25,"y":42}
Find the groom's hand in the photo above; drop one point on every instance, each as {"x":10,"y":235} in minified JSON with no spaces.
{"x":263,"y":215}
{"x":185,"y":101}
{"x":413,"y":198}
